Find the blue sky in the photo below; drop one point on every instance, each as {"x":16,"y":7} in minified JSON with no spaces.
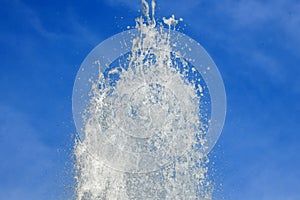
{"x":255,"y":44}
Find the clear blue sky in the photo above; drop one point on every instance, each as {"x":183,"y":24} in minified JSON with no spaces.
{"x":255,"y":44}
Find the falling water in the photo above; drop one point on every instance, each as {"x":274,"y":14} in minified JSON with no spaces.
{"x":143,"y":131}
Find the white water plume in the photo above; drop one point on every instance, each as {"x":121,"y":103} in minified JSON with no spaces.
{"x":143,"y":130}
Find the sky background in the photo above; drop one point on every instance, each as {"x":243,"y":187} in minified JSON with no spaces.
{"x":255,"y":45}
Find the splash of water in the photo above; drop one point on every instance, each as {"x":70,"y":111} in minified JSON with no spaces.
{"x":143,"y":131}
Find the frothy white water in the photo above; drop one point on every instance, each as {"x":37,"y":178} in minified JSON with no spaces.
{"x":142,"y":131}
